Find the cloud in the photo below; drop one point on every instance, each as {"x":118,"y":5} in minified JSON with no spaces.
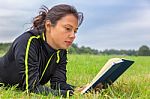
{"x":108,"y":24}
{"x":129,"y":30}
{"x":14,"y":17}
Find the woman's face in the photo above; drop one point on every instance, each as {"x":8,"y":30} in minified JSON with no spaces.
{"x":62,"y":35}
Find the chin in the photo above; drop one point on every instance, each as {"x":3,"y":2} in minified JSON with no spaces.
{"x":65,"y":47}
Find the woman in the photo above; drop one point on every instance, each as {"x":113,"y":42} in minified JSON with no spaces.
{"x":39,"y":55}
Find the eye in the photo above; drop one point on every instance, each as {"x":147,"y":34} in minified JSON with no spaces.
{"x":68,"y":29}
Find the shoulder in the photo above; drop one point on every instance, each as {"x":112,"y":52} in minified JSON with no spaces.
{"x":26,"y":36}
{"x":25,"y":43}
{"x":25,"y":39}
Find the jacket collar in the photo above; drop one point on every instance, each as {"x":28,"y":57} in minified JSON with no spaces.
{"x":47,"y":47}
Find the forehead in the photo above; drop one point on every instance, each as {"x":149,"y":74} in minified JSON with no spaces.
{"x":69,"y":19}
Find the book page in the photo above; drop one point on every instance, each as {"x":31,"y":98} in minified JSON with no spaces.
{"x":109,"y":63}
{"x":106,"y":67}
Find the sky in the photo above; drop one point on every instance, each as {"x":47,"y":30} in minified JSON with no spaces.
{"x":108,"y":24}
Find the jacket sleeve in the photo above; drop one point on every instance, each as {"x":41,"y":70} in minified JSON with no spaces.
{"x":58,"y":79}
{"x":26,"y":56}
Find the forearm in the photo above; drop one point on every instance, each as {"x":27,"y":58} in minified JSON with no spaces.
{"x":62,"y":86}
{"x":44,"y":90}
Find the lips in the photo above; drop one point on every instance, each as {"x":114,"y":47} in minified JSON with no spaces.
{"x":68,"y":42}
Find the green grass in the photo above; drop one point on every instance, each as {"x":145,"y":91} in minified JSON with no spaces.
{"x":133,"y":84}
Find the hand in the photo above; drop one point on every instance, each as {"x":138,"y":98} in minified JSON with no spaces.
{"x":79,"y":89}
{"x":98,"y":87}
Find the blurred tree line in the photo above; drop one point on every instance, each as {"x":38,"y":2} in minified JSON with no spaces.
{"x":74,"y":49}
{"x":4,"y":47}
{"x":142,"y":51}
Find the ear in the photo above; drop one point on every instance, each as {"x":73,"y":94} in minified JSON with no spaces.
{"x":48,"y":25}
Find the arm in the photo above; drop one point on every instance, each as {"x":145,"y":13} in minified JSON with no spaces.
{"x":27,"y":60}
{"x":58,"y":79}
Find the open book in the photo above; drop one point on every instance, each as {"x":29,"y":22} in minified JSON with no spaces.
{"x":109,"y":73}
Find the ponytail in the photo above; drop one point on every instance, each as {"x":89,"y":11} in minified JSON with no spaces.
{"x":39,"y":21}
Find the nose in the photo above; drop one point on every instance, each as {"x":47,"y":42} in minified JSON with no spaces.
{"x":72,"y":35}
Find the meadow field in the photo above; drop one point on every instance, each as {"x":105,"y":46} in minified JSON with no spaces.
{"x":133,"y":84}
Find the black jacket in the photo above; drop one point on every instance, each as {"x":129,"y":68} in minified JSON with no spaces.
{"x":31,"y":63}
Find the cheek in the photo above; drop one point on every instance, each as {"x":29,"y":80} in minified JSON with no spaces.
{"x":59,"y":36}
{"x":56,"y":34}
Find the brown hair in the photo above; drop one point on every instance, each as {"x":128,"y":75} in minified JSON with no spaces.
{"x":54,"y":14}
